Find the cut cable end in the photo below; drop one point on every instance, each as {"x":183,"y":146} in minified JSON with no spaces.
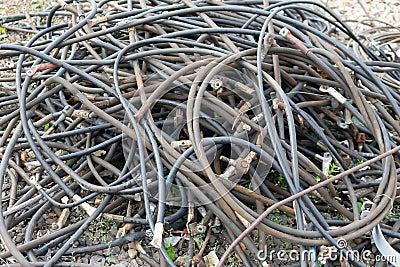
{"x":158,"y":235}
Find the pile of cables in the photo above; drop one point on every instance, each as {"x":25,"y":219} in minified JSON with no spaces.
{"x":191,"y":118}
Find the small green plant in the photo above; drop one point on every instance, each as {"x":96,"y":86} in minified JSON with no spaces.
{"x":199,"y":239}
{"x":170,"y":250}
{"x":78,"y":215}
{"x":108,"y":254}
{"x":282,"y":182}
{"x":176,"y":192}
{"x":359,"y":204}
{"x":359,"y":162}
{"x":231,"y":259}
{"x":37,"y":6}
{"x":99,"y":230}
{"x":46,"y":126}
{"x":394,"y":213}
{"x":105,"y":222}
{"x":333,"y":169}
{"x":286,"y":245}
{"x":276,"y":216}
{"x":217,"y":245}
{"x":3,"y":30}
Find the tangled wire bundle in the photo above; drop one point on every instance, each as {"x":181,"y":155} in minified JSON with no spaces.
{"x":193,"y":116}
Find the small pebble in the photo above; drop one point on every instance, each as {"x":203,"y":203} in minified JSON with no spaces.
{"x":97,"y":260}
{"x":19,"y":239}
{"x":116,"y":250}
